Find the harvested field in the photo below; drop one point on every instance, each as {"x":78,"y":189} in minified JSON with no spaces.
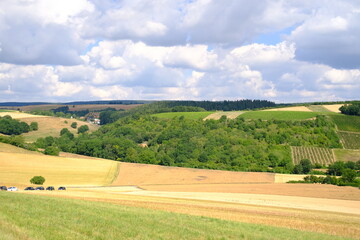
{"x":144,"y":174}
{"x":295,"y":109}
{"x":18,"y":168}
{"x":284,"y":189}
{"x":7,"y":148}
{"x":218,"y":115}
{"x":51,"y":126}
{"x":334,"y":107}
{"x":20,"y":115}
{"x":318,"y":108}
{"x":324,"y":156}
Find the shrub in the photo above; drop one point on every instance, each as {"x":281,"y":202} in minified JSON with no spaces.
{"x":74,"y":125}
{"x":51,"y":150}
{"x":37,"y":180}
{"x":34,"y":126}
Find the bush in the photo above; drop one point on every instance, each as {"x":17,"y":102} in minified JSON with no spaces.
{"x":51,"y":150}
{"x":74,"y":125}
{"x":83,"y":128}
{"x":34,"y":126}
{"x":37,"y":180}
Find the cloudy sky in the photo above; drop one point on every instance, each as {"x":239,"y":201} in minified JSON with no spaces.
{"x":280,"y":50}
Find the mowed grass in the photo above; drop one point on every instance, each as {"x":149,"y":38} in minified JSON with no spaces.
{"x":187,"y":115}
{"x":346,"y":155}
{"x":346,"y":122}
{"x":278,"y":115}
{"x":18,"y":168}
{"x":39,"y":217}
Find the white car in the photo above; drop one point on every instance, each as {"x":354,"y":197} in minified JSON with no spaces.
{"x":11,"y":189}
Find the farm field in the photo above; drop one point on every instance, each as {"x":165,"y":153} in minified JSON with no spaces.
{"x":347,"y":155}
{"x":334,"y":107}
{"x":279,"y":115}
{"x":218,"y":115}
{"x":350,"y":140}
{"x":347,"y":123}
{"x":188,"y":115}
{"x":318,"y":108}
{"x":292,"y":109}
{"x":19,"y":115}
{"x":18,"y":168}
{"x":78,"y":219}
{"x":324,"y":156}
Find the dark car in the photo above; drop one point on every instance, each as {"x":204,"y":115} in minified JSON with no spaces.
{"x":3,"y":188}
{"x":29,"y":189}
{"x":62,"y":188}
{"x":50,"y":188}
{"x":40,"y":188}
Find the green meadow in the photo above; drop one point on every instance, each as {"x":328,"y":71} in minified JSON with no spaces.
{"x":346,"y":122}
{"x":187,"y":115}
{"x":35,"y":217}
{"x":278,"y":115}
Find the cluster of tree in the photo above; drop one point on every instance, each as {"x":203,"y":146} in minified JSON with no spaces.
{"x":252,"y":145}
{"x":10,"y":126}
{"x":304,"y":167}
{"x":351,"y":109}
{"x":348,"y":173}
{"x":184,"y":106}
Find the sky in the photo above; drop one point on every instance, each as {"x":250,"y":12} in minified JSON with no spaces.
{"x":279,"y":50}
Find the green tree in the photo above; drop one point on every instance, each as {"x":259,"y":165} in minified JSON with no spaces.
{"x":348,"y":175}
{"x":52,"y":150}
{"x":74,"y":125}
{"x":39,"y":180}
{"x":306,"y":165}
{"x":83,"y":128}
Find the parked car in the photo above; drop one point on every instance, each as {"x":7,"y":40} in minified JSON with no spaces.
{"x":62,"y":188}
{"x":50,"y":188}
{"x":12,"y":189}
{"x":40,"y":188}
{"x":3,"y":188}
{"x":29,"y":189}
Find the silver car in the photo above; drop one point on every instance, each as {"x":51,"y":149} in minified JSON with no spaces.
{"x":12,"y":189}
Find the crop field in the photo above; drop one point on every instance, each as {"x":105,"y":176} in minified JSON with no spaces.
{"x":292,"y":109}
{"x":318,"y":108}
{"x":350,"y":140}
{"x":333,"y":107}
{"x":346,"y":122}
{"x":19,"y":115}
{"x":323,"y":156}
{"x":187,"y":115}
{"x":18,"y":168}
{"x":347,"y":155}
{"x":78,"y":219}
{"x":279,"y":115}
{"x":51,"y":126}
{"x":218,"y":115}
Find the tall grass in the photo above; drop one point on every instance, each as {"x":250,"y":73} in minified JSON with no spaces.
{"x":37,"y":217}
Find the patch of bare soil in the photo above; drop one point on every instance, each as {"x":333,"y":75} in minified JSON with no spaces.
{"x":145,"y":174}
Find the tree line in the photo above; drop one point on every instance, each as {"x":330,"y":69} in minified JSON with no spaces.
{"x":10,"y":126}
{"x":351,"y":109}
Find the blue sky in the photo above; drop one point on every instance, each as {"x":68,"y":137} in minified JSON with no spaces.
{"x":284,"y":51}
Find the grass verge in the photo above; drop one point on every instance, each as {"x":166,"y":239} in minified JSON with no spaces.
{"x":40,"y":217}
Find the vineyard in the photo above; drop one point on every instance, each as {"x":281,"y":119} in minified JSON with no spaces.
{"x":324,"y":156}
{"x":350,"y":140}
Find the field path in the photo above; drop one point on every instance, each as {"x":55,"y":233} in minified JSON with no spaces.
{"x":218,"y":115}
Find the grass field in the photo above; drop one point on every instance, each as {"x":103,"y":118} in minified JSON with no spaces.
{"x":18,"y":168}
{"x":187,"y":115}
{"x":51,"y":126}
{"x":350,"y":140}
{"x":39,"y":217}
{"x":279,"y":115}
{"x":346,"y":122}
{"x":324,"y":156}
{"x":346,"y":155}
